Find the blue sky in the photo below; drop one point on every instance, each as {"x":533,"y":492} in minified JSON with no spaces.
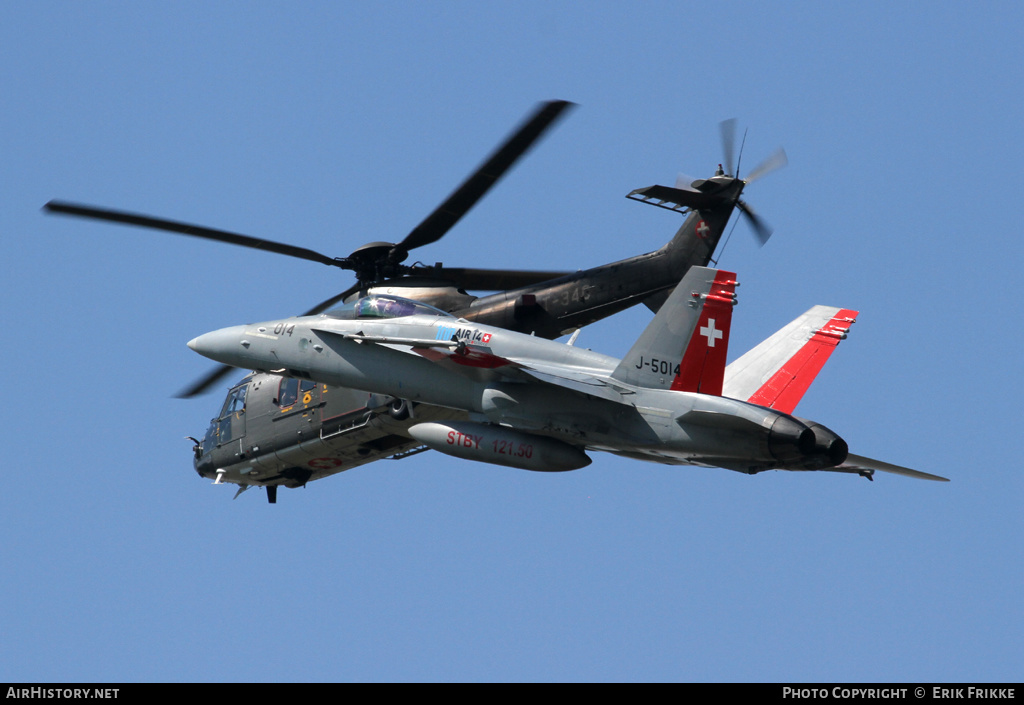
{"x":328,"y":125}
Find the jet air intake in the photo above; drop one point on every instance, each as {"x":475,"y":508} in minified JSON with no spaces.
{"x":499,"y":446}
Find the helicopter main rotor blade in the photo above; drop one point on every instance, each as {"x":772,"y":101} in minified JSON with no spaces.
{"x":204,"y":383}
{"x":495,"y":279}
{"x":324,"y":305}
{"x":144,"y":221}
{"x":446,"y":215}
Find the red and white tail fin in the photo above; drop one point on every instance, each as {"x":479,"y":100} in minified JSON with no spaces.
{"x":778,"y":372}
{"x":684,"y":347}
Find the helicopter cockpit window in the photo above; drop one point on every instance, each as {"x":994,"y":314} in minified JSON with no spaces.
{"x":231,"y":424}
{"x":378,"y":306}
{"x":235,"y":401}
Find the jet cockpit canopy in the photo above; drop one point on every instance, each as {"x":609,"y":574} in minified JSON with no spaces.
{"x":384,"y":306}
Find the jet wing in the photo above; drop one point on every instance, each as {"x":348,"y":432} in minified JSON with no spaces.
{"x":478,"y":362}
{"x":579,"y":382}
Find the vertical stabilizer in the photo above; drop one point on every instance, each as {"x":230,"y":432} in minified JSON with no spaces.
{"x":779,"y":370}
{"x":684,"y":347}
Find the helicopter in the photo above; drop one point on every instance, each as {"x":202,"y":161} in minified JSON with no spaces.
{"x":277,"y":427}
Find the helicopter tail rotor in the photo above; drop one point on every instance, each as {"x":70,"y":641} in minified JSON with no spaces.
{"x":762,"y":231}
{"x":721,"y":191}
{"x":776,"y":160}
{"x":727,"y":130}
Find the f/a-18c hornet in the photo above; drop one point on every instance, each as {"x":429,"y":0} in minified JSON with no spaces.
{"x":507,"y":398}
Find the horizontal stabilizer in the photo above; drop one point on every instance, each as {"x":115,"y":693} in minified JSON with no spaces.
{"x":867,"y":466}
{"x":778,"y":372}
{"x":677,"y":198}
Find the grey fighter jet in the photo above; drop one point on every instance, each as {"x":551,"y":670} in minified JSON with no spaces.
{"x":512,"y":399}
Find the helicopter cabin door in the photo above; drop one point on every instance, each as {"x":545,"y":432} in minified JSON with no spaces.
{"x":295,"y":418}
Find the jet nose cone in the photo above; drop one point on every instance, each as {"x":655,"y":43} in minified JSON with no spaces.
{"x":204,"y":344}
{"x":226,"y":345}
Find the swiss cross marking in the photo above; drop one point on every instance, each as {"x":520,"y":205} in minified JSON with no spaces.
{"x":711,"y":333}
{"x":702,"y":230}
